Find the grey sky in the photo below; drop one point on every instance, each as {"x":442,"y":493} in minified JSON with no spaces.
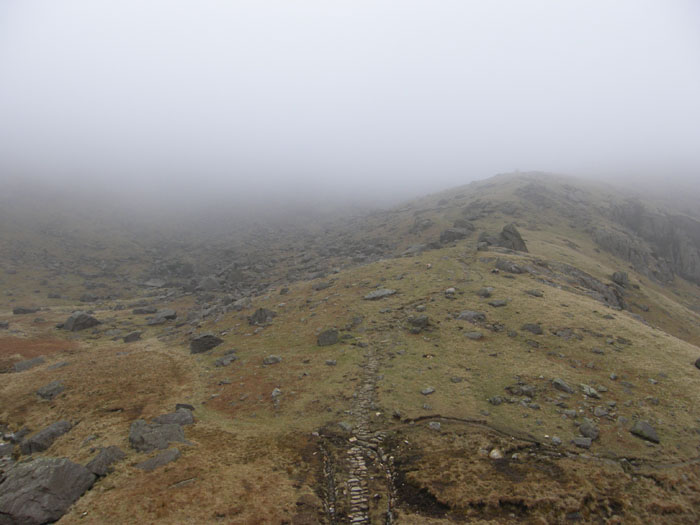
{"x":352,"y":95}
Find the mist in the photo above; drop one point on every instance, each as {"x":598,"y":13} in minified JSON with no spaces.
{"x":267,"y":102}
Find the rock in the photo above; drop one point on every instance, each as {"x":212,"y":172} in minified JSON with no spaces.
{"x":327,"y":337}
{"x":600,"y":411}
{"x":131,"y":337}
{"x":534,"y":293}
{"x":242,"y":304}
{"x":146,"y":437}
{"x":261,"y":317}
{"x":621,"y":279}
{"x":450,"y":292}
{"x":434,"y":425}
{"x":51,"y":390}
{"x":323,"y":285}
{"x":495,"y":400}
{"x":101,"y":465}
{"x":162,"y":316}
{"x":379,"y":294}
{"x":496,"y":454}
{"x":6,"y":450}
{"x":23,"y":310}
{"x":155,"y":283}
{"x":272,"y":360}
{"x":347,"y":427}
{"x":162,"y":458}
{"x":41,"y":491}
{"x":590,"y":391}
{"x":88,"y":298}
{"x":697,"y":363}
{"x":474,"y":336}
{"x":427,"y":391}
{"x":276,"y":392}
{"x":80,"y":321}
{"x":508,"y":266}
{"x":204,"y":342}
{"x":642,"y":429}
{"x":582,"y":442}
{"x":497,"y":303}
{"x":510,"y":238}
{"x":225,"y":360}
{"x":29,"y":363}
{"x":533,"y":328}
{"x":43,"y":439}
{"x":562,"y":385}
{"x":4,"y":325}
{"x":181,"y":417}
{"x":589,"y":430}
{"x":209,"y":284}
{"x":454,"y":234}
{"x":485,"y":291}
{"x":556,"y":441}
{"x":189,"y":407}
{"x":472,"y":316}
{"x":419,"y":321}
{"x":331,"y":362}
{"x":145,"y":310}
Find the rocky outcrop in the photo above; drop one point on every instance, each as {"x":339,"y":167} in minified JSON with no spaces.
{"x":658,"y":245}
{"x":509,"y":238}
{"x":42,"y":490}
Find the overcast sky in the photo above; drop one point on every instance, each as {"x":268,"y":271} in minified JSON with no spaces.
{"x":372,"y":96}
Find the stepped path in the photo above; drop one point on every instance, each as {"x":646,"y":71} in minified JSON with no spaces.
{"x":365,"y":473}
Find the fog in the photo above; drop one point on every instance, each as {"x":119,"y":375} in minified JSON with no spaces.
{"x":264,"y":101}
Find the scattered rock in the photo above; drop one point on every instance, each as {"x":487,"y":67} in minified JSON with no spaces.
{"x":497,"y":303}
{"x":472,"y":316}
{"x":562,"y":385}
{"x":485,"y":291}
{"x":331,"y":362}
{"x":474,"y":336}
{"x":427,"y":391}
{"x":42,"y":490}
{"x":181,"y":416}
{"x":225,"y":360}
{"x":101,"y":465}
{"x":162,"y":458}
{"x":204,"y":342}
{"x":697,"y":363}
{"x":272,"y":360}
{"x":132,"y":336}
{"x":533,"y":328}
{"x":28,"y":364}
{"x":510,"y":238}
{"x":379,"y":294}
{"x":144,"y":310}
{"x":621,"y":279}
{"x":454,"y":234}
{"x":590,"y":391}
{"x":162,"y":316}
{"x":4,"y":325}
{"x":582,"y":442}
{"x":434,"y":425}
{"x":644,"y":430}
{"x":80,"y":321}
{"x":23,"y":310}
{"x":508,"y":266}
{"x":327,"y":337}
{"x":51,"y":390}
{"x":146,"y":437}
{"x":534,"y":293}
{"x":589,"y":430}
{"x":261,"y":317}
{"x":43,"y":439}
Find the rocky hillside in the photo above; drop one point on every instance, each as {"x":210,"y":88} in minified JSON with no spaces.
{"x":521,"y":349}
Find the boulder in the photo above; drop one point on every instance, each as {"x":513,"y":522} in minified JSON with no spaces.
{"x":272,"y":360}
{"x":697,"y":363}
{"x":562,"y":385}
{"x":160,"y":459}
{"x":204,"y":342}
{"x":162,"y":316}
{"x":510,"y":238}
{"x":43,"y":439}
{"x":51,"y":390}
{"x":132,"y":336}
{"x":621,"y":279}
{"x":261,"y":317}
{"x":42,"y":490}
{"x":327,"y":337}
{"x":589,"y":430}
{"x":4,"y":325}
{"x":144,"y":310}
{"x":533,"y":328}
{"x":80,"y":321}
{"x":28,"y":363}
{"x":508,"y":266}
{"x":471,"y":316}
{"x":454,"y":234}
{"x":181,"y":416}
{"x":379,"y":294}
{"x":146,"y":437}
{"x":101,"y":465}
{"x":643,"y":430}
{"x":23,"y":310}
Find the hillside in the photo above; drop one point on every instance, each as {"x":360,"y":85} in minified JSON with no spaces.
{"x":517,"y":350}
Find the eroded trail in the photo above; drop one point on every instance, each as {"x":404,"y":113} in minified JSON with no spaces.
{"x":360,"y":470}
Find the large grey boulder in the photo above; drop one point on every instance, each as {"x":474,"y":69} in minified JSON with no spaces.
{"x":80,"y":321}
{"x":43,"y":439}
{"x":101,"y":465}
{"x":29,"y":363}
{"x":42,"y":490}
{"x":51,"y":390}
{"x":204,"y":342}
{"x":146,"y":437}
{"x":510,"y":238}
{"x":181,"y":416}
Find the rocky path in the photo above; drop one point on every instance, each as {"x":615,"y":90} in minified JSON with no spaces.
{"x":367,"y":470}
